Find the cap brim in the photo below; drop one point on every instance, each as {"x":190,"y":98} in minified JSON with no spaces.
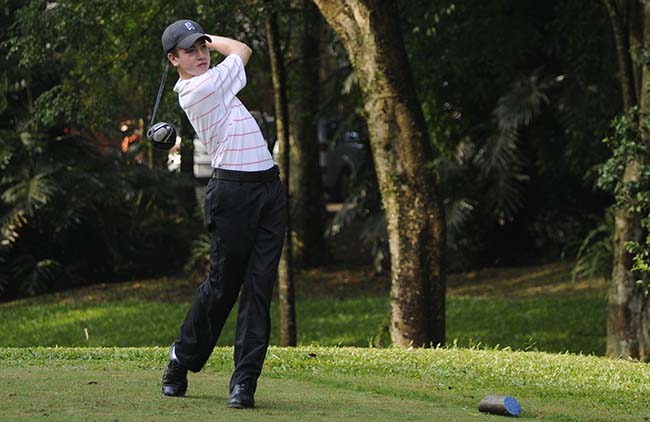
{"x":189,"y":41}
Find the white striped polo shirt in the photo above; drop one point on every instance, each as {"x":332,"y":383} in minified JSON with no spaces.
{"x":231,"y":135}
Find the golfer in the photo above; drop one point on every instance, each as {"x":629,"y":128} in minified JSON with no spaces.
{"x":244,"y":208}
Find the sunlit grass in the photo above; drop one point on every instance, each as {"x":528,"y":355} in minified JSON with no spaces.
{"x":301,"y":384}
{"x":547,"y":324}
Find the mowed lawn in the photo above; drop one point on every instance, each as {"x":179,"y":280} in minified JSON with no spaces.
{"x":501,"y":324}
{"x":531,"y":308}
{"x":317,"y":383}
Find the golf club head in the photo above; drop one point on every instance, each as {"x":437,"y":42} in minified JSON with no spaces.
{"x":162,"y":135}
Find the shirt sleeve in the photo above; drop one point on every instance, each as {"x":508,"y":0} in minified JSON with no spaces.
{"x":228,"y":77}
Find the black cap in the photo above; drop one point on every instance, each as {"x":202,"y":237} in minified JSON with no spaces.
{"x":183,"y":34}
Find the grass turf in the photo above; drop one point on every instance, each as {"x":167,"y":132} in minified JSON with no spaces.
{"x":548,"y":324}
{"x":315,"y":383}
{"x":543,"y":311}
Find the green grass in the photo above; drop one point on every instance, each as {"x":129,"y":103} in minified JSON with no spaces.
{"x":314,"y":383}
{"x":490,"y":315}
{"x":555,"y":324}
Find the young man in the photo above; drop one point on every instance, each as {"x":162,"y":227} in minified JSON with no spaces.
{"x":244,"y":208}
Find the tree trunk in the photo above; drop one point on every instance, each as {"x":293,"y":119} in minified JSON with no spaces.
{"x":307,"y":197}
{"x":628,"y":322}
{"x":620,"y":30}
{"x":401,"y":149}
{"x":288,"y":335}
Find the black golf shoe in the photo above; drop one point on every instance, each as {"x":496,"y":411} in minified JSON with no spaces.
{"x":174,"y":381}
{"x":241,"y":397}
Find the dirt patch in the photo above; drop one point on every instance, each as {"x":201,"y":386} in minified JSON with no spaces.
{"x":338,"y":281}
{"x":543,"y":280}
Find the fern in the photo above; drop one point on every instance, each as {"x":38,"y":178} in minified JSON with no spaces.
{"x":596,"y":252}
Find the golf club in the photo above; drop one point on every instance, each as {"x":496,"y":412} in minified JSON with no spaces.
{"x":161,"y":134}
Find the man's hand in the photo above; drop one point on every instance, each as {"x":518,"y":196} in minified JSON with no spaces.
{"x":228,"y":46}
{"x":176,"y":149}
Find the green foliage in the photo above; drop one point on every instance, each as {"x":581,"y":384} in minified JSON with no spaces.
{"x":73,"y":209}
{"x":35,"y":276}
{"x":103,"y":59}
{"x":69,"y":214}
{"x":596,"y":252}
{"x":628,"y":143}
{"x":513,"y":101}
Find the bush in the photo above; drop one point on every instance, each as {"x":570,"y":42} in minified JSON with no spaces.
{"x":72,"y":215}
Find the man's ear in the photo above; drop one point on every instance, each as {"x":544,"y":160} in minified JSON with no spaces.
{"x":173,"y":59}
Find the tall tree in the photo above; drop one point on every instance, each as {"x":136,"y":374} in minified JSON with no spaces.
{"x":306,"y":194}
{"x":288,"y":336}
{"x":628,"y":322}
{"x":401,"y":148}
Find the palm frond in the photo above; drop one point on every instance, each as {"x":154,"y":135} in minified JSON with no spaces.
{"x":35,"y":276}
{"x":31,"y":193}
{"x":518,"y":107}
{"x":500,"y":159}
{"x":499,"y":153}
{"x":505,"y":195}
{"x":10,"y":225}
{"x":458,"y":213}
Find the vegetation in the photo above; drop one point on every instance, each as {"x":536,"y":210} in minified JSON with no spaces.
{"x":510,"y":101}
{"x":313,"y":383}
{"x":544,"y":311}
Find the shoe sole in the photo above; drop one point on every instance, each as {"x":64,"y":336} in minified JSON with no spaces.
{"x":174,"y":393}
{"x":239,"y":406}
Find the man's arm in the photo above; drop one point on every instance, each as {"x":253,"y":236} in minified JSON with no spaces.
{"x":228,"y":46}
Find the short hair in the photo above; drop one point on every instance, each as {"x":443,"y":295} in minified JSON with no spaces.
{"x":174,"y":51}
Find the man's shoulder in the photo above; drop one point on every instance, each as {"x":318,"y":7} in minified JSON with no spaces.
{"x":228,"y":62}
{"x":186,"y":86}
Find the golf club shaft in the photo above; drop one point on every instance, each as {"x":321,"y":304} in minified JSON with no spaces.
{"x":160,"y":91}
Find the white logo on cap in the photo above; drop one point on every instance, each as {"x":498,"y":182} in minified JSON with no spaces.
{"x":189,"y":26}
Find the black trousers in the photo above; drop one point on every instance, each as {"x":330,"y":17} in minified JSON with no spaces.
{"x":247,"y":224}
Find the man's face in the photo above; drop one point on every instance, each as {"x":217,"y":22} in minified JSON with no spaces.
{"x":192,"y":61}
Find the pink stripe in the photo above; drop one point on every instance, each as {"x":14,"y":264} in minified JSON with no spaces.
{"x":208,"y":112}
{"x":247,"y":164}
{"x":211,"y":126}
{"x":243,"y":134}
{"x":197,"y":85}
{"x":207,"y":96}
{"x":240,"y":134}
{"x":244,"y":119}
{"x":244,"y":149}
{"x":236,"y":134}
{"x":227,"y":116}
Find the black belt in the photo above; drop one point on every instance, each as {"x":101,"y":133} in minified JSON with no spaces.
{"x":246,"y":176}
